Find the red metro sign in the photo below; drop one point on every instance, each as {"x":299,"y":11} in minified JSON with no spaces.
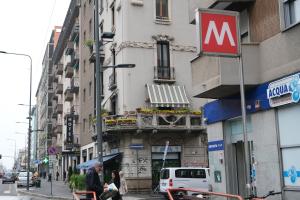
{"x":218,"y":32}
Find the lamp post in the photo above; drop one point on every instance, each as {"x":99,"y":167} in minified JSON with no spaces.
{"x":29,"y":112}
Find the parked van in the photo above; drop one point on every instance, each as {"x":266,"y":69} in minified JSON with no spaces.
{"x":184,"y":177}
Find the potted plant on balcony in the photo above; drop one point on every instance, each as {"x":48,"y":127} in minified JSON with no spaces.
{"x":89,"y":43}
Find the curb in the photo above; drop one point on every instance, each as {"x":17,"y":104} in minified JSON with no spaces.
{"x":45,"y":196}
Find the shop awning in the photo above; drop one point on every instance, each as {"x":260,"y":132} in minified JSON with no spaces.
{"x":167,"y":96}
{"x":90,"y":163}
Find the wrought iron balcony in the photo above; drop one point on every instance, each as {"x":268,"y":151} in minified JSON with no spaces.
{"x":164,"y":74}
{"x":68,"y":95}
{"x":59,"y":69}
{"x":59,"y":88}
{"x":164,"y":120}
{"x":69,"y":70}
{"x":69,"y":48}
{"x":75,"y":85}
{"x":75,"y":32}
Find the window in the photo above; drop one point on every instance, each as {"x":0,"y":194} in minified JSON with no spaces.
{"x":291,"y":12}
{"x":83,"y":124}
{"x":190,"y":173}
{"x":162,"y":9}
{"x":90,"y":120}
{"x":112,"y":7}
{"x":288,"y":120}
{"x":84,"y":63}
{"x":90,"y":27}
{"x":84,"y":9}
{"x":83,"y":96}
{"x":84,"y":36}
{"x":163,"y":60}
{"x":114,"y":105}
{"x":164,"y":174}
{"x":101,"y":27}
{"x":90,"y":88}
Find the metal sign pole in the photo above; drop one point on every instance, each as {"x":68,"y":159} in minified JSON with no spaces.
{"x":137,"y":169}
{"x":244,"y":125}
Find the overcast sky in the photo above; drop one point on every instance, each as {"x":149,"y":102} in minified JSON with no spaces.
{"x":25,"y":27}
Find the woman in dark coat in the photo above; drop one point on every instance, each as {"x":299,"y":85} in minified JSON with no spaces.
{"x":116,"y":180}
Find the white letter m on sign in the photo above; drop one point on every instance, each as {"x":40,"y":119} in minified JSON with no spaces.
{"x":220,"y":38}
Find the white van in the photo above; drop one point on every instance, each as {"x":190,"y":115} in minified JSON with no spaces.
{"x":184,"y":177}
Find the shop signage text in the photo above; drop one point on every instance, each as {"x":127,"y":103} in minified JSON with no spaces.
{"x":217,"y":145}
{"x":284,"y":91}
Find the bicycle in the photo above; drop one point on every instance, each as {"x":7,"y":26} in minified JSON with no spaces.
{"x":270,"y":193}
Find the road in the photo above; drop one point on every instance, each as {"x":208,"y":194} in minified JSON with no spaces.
{"x":8,"y":191}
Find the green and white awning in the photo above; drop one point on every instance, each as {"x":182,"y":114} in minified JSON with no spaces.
{"x":167,"y":96}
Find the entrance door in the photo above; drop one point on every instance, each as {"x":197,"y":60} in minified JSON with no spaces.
{"x":172,"y":160}
{"x":240,"y":168}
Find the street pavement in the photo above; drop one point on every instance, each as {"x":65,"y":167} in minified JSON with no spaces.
{"x":61,"y":191}
{"x":8,"y":191}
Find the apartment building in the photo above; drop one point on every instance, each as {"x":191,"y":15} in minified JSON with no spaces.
{"x":147,"y":106}
{"x":66,"y":97}
{"x":271,"y":58}
{"x":44,"y":106}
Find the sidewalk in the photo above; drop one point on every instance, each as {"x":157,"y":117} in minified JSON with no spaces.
{"x":61,"y":191}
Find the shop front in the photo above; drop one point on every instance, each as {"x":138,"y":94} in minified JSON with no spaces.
{"x":272,"y":119}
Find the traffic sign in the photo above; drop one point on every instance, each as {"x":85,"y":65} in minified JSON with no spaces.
{"x":51,"y":150}
{"x":218,"y":32}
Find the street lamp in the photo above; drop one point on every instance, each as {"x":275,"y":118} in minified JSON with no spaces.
{"x":29,"y":111}
{"x":98,"y":44}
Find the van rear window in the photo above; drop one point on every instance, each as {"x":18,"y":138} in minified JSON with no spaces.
{"x":164,"y":174}
{"x":190,"y":173}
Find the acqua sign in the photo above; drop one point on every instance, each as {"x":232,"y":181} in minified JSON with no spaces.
{"x":218,"y":32}
{"x":284,"y":91}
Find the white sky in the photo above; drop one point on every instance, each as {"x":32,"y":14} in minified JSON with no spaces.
{"x":25,"y":27}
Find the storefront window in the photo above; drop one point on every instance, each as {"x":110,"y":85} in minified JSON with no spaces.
{"x":288,"y":119}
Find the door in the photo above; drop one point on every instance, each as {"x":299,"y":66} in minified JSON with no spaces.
{"x":240,"y":166}
{"x":172,"y":160}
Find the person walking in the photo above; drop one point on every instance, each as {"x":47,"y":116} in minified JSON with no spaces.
{"x":64,"y":176}
{"x":116,"y":180}
{"x":123,"y":185}
{"x":57,"y":175}
{"x":93,"y":181}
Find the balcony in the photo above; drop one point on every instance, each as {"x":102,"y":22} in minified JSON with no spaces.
{"x":68,"y":95}
{"x":58,"y":108}
{"x":59,"y":69}
{"x":222,"y":78}
{"x":59,"y":88}
{"x":50,"y":92}
{"x":75,"y":33}
{"x":69,"y":48}
{"x":112,"y":82}
{"x":75,"y":85}
{"x":69,"y":70}
{"x":75,"y":61}
{"x":166,"y":120}
{"x":92,"y":58}
{"x":54,"y":97}
{"x":164,"y":74}
{"x":57,"y":129}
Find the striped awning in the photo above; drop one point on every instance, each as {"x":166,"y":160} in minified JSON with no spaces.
{"x":167,"y":96}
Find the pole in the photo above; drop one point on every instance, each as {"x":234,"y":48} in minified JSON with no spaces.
{"x":98,"y":88}
{"x":29,"y":112}
{"x":137,"y":170}
{"x":243,"y":109}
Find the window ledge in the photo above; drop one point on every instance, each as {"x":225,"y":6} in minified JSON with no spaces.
{"x":163,"y":21}
{"x":290,"y":26}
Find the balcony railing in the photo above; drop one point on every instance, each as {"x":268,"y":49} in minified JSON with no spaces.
{"x":69,"y":48}
{"x":112,"y":82}
{"x":58,"y":108}
{"x":69,"y":70}
{"x":164,"y":74}
{"x":59,"y":69}
{"x":75,"y":32}
{"x":154,"y":121}
{"x":75,"y":85}
{"x":75,"y":60}
{"x":68,"y":95}
{"x":59,"y":88}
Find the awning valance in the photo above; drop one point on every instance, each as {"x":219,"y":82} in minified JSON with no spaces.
{"x":90,"y":163}
{"x":167,"y":96}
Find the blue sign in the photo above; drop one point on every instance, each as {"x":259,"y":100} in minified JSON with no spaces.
{"x":136,"y":146}
{"x":292,"y":173}
{"x":216,"y":145}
